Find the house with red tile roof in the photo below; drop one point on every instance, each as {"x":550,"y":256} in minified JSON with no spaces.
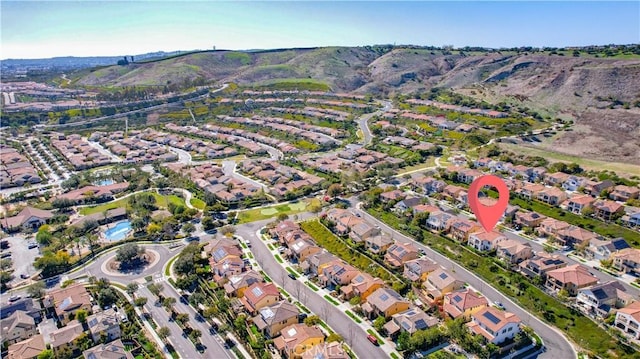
{"x":531,"y":190}
{"x":579,"y":203}
{"x":542,"y":263}
{"x":260,"y":295}
{"x":27,"y":349}
{"x":574,"y":235}
{"x":628,"y":320}
{"x":362,"y":285}
{"x":627,"y":260}
{"x":390,"y":196}
{"x":513,"y":251}
{"x":418,"y":269}
{"x":549,"y":227}
{"x":608,"y":210}
{"x":400,"y":253}
{"x":570,"y":278}
{"x":552,"y":195}
{"x":495,"y":325}
{"x":29,"y":219}
{"x":461,"y":228}
{"x":529,"y":219}
{"x":463,"y":303}
{"x":384,"y":302}
{"x":296,"y":338}
{"x":624,"y":193}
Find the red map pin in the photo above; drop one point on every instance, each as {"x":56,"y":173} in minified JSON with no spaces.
{"x":488,"y":216}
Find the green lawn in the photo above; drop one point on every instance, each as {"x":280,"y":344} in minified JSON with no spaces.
{"x":198,"y":203}
{"x":353,"y":316}
{"x":104,"y":207}
{"x":333,"y":244}
{"x":279,"y":259}
{"x":257,"y":214}
{"x":161,"y":201}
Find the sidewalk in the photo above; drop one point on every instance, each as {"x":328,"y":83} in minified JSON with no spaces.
{"x":146,"y":324}
{"x":172,"y":275}
{"x":388,"y":346}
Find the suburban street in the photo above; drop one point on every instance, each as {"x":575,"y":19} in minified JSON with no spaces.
{"x":364,"y":125}
{"x":181,"y":344}
{"x":353,"y":335}
{"x":555,"y":342}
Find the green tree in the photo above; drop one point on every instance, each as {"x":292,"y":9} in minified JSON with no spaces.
{"x":129,"y":255}
{"x":334,"y":190}
{"x":182,"y":318}
{"x":228,"y":230}
{"x":36,"y":290}
{"x":140,"y":301}
{"x":46,"y":354}
{"x":81,"y":315}
{"x":312,"y":320}
{"x":355,"y":300}
{"x":168,"y":303}
{"x":379,"y":323}
{"x":164,"y":333}
{"x":132,"y":288}
{"x":334,"y":337}
{"x":155,"y":288}
{"x":188,"y":228}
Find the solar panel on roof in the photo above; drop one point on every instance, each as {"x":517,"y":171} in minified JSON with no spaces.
{"x":267,"y":313}
{"x":492,"y":318}
{"x":457,"y":298}
{"x":384,"y":297}
{"x":443,"y":275}
{"x":257,"y":291}
{"x":405,"y":325}
{"x":421,"y":324}
{"x":65,"y":303}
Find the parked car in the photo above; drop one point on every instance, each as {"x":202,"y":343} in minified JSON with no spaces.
{"x":14,"y":297}
{"x":372,"y":339}
{"x":32,"y":245}
{"x":292,"y":276}
{"x":24,"y":276}
{"x":499,"y":305}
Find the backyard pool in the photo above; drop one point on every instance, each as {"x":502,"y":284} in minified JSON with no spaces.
{"x":118,"y":232}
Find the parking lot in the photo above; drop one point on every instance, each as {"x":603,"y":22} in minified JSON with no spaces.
{"x":21,"y":256}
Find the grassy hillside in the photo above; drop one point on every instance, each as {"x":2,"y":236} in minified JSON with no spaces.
{"x":601,"y":94}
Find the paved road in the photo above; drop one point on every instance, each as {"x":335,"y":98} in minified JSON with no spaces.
{"x":556,"y":343}
{"x":354,"y":336}
{"x":213,"y":343}
{"x":181,"y":344}
{"x":229,"y":169}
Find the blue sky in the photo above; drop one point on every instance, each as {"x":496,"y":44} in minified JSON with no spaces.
{"x":34,"y":29}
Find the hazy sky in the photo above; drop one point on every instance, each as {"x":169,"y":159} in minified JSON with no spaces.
{"x":34,"y":29}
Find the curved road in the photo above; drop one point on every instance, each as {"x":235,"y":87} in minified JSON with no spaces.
{"x":555,"y":341}
{"x":213,"y":343}
{"x":364,"y":125}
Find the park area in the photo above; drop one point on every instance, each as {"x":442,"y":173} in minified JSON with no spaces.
{"x":258,"y":214}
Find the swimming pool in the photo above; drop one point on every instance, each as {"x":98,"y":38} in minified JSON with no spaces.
{"x":105,"y":182}
{"x":118,"y":232}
